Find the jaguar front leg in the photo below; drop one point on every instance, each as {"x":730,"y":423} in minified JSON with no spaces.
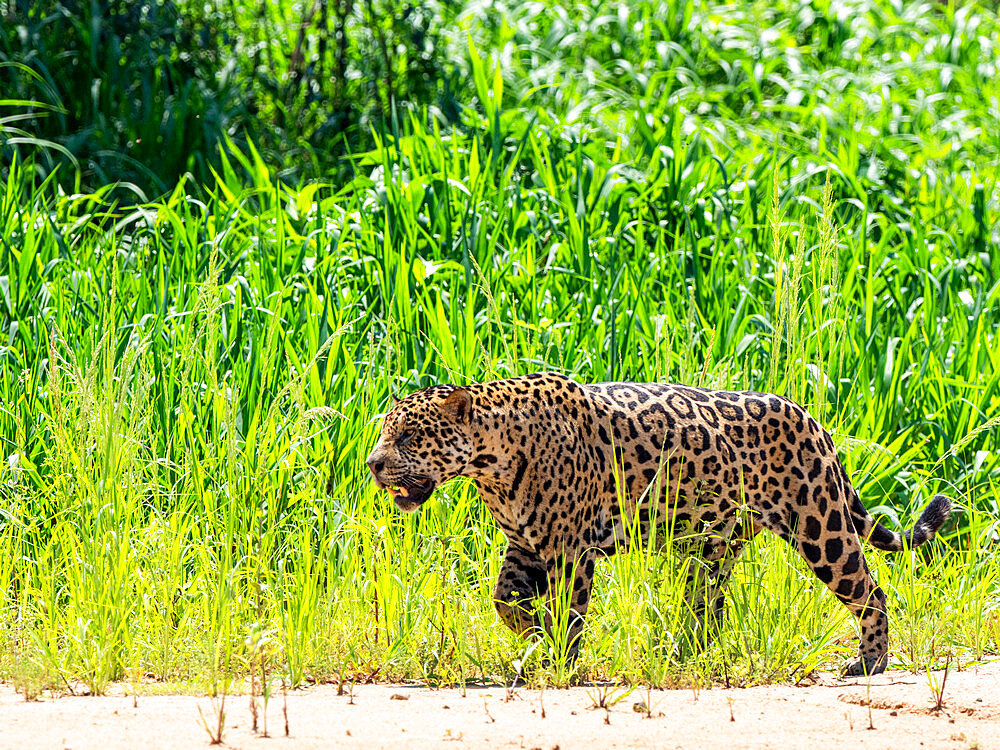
{"x":523,"y":578}
{"x":571,"y":579}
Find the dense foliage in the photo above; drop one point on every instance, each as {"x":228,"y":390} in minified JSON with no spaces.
{"x":796,"y":197}
{"x":142,"y":93}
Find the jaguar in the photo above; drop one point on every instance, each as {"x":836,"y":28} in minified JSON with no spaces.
{"x":571,"y":472}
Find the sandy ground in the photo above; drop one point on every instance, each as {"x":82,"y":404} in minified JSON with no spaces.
{"x":829,"y":713}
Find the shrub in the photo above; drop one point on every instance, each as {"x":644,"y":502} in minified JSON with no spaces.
{"x":128,"y":92}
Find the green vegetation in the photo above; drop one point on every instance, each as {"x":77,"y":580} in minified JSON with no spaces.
{"x":792,"y":197}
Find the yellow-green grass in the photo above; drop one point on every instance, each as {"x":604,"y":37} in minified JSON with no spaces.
{"x":189,"y":387}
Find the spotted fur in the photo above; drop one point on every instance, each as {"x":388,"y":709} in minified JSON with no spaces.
{"x":569,"y":470}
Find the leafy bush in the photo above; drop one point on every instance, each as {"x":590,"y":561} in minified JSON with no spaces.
{"x":322,"y":75}
{"x":129,"y":92}
{"x":142,"y":93}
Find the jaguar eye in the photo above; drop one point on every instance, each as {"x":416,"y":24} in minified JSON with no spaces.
{"x":405,"y":438}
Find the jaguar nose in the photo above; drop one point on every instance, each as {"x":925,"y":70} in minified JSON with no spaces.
{"x":374,"y":465}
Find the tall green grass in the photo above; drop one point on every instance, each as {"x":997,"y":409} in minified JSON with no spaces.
{"x":189,"y":387}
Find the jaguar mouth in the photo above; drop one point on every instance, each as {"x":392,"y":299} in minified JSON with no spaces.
{"x":411,"y":493}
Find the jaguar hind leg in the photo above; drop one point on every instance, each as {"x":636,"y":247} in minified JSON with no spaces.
{"x":705,"y":591}
{"x":833,"y":552}
{"x":712,"y":554}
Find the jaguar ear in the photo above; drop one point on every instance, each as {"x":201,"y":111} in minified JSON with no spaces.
{"x":458,"y":405}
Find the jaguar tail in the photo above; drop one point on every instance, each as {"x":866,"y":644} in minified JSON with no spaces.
{"x":932,"y":519}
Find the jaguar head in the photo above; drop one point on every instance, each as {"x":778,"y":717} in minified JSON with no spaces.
{"x":425,"y":440}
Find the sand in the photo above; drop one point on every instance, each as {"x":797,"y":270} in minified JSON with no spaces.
{"x":829,"y":712}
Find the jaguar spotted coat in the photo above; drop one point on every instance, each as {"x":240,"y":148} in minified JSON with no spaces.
{"x":568,"y":470}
